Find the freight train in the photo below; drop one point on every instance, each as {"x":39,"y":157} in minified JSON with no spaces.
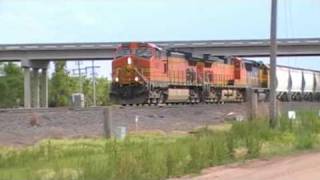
{"x":143,"y":73}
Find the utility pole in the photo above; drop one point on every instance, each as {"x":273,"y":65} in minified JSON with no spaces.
{"x":273,"y":64}
{"x":94,"y":84}
{"x":93,"y":74}
{"x":80,"y":79}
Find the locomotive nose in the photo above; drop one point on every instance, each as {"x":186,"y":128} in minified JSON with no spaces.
{"x":127,"y":74}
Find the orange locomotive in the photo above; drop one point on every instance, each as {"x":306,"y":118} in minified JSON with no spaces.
{"x":144,"y":73}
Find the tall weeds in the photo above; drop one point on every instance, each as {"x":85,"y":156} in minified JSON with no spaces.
{"x":155,"y":157}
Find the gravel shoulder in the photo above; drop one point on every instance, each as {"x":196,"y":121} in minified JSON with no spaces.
{"x":18,"y":129}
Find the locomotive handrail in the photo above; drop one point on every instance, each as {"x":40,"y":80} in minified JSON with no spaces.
{"x":141,"y":75}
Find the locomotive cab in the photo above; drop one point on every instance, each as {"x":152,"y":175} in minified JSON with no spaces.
{"x":132,"y":70}
{"x":131,"y":62}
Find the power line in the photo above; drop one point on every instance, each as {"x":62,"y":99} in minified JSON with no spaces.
{"x":77,"y":71}
{"x":84,"y":72}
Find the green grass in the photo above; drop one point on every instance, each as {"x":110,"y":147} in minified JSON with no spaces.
{"x":156,"y":155}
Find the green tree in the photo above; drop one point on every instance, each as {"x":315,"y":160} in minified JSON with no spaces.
{"x":11,"y":86}
{"x":102,"y":91}
{"x":61,"y":86}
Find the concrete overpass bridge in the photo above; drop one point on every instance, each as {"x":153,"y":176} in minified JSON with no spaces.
{"x":104,"y":51}
{"x":34,"y":57}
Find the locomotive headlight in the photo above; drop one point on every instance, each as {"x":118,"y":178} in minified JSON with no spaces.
{"x":116,"y":79}
{"x":129,"y":60}
{"x":136,"y":78}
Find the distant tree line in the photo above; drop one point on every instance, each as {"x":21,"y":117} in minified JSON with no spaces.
{"x":61,"y":87}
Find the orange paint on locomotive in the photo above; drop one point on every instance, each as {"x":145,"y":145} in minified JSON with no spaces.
{"x":173,"y":70}
{"x":240,"y":76}
{"x":177,"y":70}
{"x":222,"y":74}
{"x":157,"y":70}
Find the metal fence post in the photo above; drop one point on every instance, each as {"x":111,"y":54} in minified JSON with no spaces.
{"x":252,"y":101}
{"x":107,"y":123}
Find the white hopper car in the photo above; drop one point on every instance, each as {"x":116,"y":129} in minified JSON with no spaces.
{"x":297,"y":84}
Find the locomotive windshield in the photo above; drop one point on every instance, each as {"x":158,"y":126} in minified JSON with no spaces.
{"x":144,"y":52}
{"x":123,"y":52}
{"x":141,"y":52}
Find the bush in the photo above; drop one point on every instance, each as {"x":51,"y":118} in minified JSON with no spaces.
{"x":249,"y":134}
{"x":305,"y":140}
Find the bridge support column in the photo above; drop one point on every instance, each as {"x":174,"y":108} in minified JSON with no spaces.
{"x":27,"y":87}
{"x":35,"y":83}
{"x":44,"y":88}
{"x":35,"y":90}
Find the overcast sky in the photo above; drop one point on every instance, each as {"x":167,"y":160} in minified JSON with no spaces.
{"x":48,"y":21}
